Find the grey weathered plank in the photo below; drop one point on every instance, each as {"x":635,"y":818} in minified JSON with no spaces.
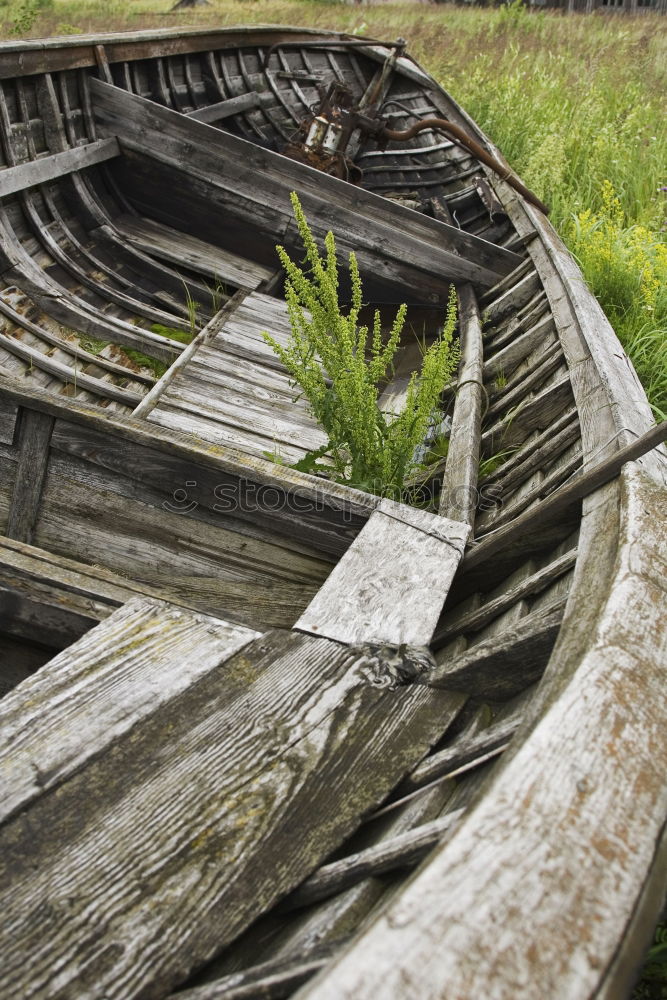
{"x":223,"y":109}
{"x":55,"y":600}
{"x":392,"y":582}
{"x":403,"y":850}
{"x":427,"y":244}
{"x":151,"y":399}
{"x":33,"y":446}
{"x":196,"y":556}
{"x":317,"y":502}
{"x":580,"y":846}
{"x":8,"y":414}
{"x":47,"y":168}
{"x":266,"y":753}
{"x":458,"y":498}
{"x":119,"y":673}
{"x":506,"y":663}
{"x":182,"y":248}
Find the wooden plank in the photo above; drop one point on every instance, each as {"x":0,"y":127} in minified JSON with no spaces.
{"x":365,"y":220}
{"x":8,"y":415}
{"x":264,"y":761}
{"x":403,"y":850}
{"x":48,"y":168}
{"x":269,"y":510}
{"x":118,"y":674}
{"x":34,"y":441}
{"x":181,"y":248}
{"x":458,"y":498}
{"x":557,"y":827}
{"x":232,"y":106}
{"x":392,"y":582}
{"x":507,"y":663}
{"x":342,"y":504}
{"x":201,"y":559}
{"x":205,"y":334}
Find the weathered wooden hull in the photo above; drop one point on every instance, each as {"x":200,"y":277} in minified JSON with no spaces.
{"x":229,"y":777}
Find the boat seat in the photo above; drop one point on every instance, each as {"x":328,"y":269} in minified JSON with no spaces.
{"x":169,"y":244}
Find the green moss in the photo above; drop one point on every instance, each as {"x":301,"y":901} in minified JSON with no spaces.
{"x":144,"y":361}
{"x":172,"y":333}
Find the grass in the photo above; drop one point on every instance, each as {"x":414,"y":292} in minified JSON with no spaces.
{"x":575,"y":103}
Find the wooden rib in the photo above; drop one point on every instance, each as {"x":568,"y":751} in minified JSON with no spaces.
{"x":404,"y":850}
{"x":458,"y":499}
{"x":33,"y":456}
{"x":69,"y":375}
{"x":505,"y":664}
{"x":478,"y":618}
{"x":47,"y":168}
{"x":505,"y":361}
{"x":536,"y":411}
{"x":73,"y":348}
{"x":555,"y":505}
{"x":105,"y":291}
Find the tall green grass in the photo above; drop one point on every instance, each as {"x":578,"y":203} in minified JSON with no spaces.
{"x":576,"y":103}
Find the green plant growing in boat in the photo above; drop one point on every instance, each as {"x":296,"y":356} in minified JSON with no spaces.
{"x":340,"y":364}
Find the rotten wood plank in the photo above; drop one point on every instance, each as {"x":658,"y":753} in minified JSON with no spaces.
{"x":258,"y":796}
{"x":117,"y":675}
{"x":48,"y":168}
{"x":33,"y":456}
{"x":393,"y":580}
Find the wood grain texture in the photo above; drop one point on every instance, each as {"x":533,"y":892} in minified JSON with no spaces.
{"x":458,"y":499}
{"x":338,"y":499}
{"x":557,"y":864}
{"x":55,"y":600}
{"x":205,"y":334}
{"x":450,"y":253}
{"x":392,"y":582}
{"x":122,"y":671}
{"x":8,"y":414}
{"x":181,"y":248}
{"x":48,"y":168}
{"x":33,"y":456}
{"x":141,"y":865}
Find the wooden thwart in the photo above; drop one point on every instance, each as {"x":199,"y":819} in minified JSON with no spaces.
{"x":392,"y":582}
{"x":253,"y":185}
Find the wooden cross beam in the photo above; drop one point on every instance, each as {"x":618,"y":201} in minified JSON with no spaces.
{"x":193,"y":176}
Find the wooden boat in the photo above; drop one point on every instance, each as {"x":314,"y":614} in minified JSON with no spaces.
{"x":244,"y":716}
